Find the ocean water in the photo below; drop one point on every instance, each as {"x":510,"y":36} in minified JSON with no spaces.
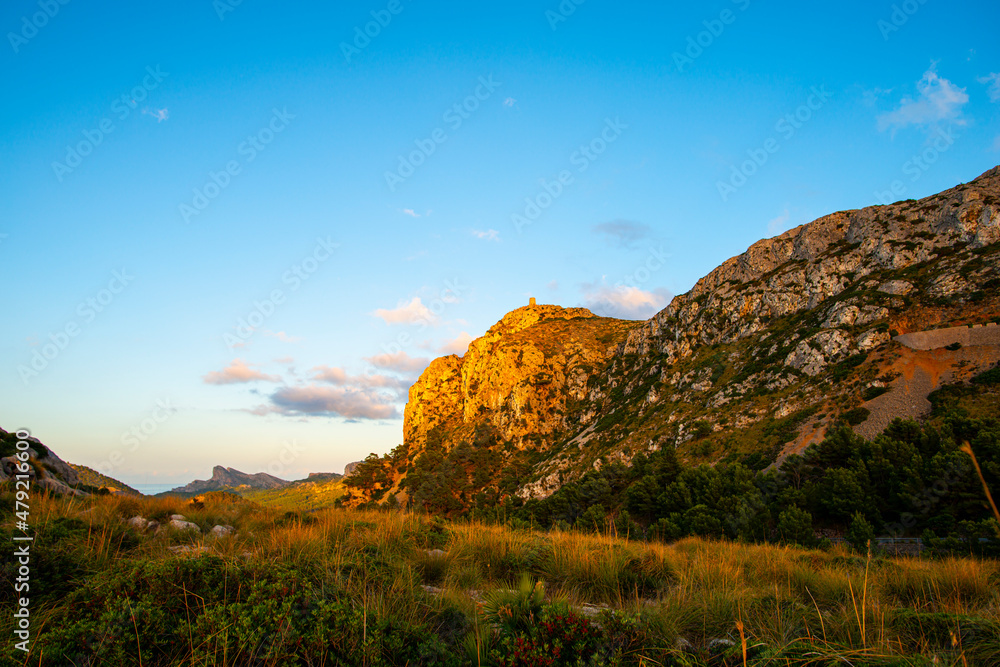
{"x":153,"y":489}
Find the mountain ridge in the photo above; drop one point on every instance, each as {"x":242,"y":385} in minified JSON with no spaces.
{"x":224,"y":478}
{"x":756,"y":361}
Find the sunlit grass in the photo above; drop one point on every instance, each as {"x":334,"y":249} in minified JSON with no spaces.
{"x":804,"y":606}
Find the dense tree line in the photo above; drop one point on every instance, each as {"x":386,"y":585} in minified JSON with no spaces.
{"x":912,"y":480}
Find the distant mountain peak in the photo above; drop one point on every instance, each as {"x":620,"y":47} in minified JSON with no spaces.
{"x":227,"y":478}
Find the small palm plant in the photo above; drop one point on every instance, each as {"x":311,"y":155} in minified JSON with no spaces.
{"x":517,"y":610}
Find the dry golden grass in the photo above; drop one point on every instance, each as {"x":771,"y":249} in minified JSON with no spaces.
{"x":838,"y":605}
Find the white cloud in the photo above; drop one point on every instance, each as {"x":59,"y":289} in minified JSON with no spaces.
{"x":330,"y":374}
{"x":628,"y":303}
{"x":411,"y":312}
{"x":488,"y":235}
{"x":410,"y":212}
{"x":238,"y":372}
{"x":330,"y":401}
{"x":338,"y":376}
{"x":282,"y":336}
{"x":509,"y":102}
{"x":159,"y":114}
{"x":400,"y":362}
{"x":938,"y":100}
{"x":458,"y":345}
{"x":993,"y":81}
{"x":333,"y":392}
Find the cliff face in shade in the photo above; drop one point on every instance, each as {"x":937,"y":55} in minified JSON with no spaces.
{"x":754,"y":362}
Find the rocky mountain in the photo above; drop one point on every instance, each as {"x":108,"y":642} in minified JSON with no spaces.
{"x":47,"y":471}
{"x":229,"y":479}
{"x":755,"y":362}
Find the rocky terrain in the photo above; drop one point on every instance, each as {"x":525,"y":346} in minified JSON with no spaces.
{"x":229,"y":479}
{"x":764,"y":353}
{"x":46,"y":470}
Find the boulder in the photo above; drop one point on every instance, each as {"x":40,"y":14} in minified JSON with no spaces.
{"x":222,"y":531}
{"x":178,"y":524}
{"x":139,"y":523}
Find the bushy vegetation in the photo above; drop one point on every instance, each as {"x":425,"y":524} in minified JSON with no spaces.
{"x":344,"y":587}
{"x":913,"y":480}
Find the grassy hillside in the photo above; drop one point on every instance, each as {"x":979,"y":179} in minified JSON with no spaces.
{"x":298,"y":496}
{"x":97,"y":480}
{"x":379,"y":588}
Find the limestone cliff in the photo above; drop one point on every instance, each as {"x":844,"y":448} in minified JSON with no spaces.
{"x":754,"y":362}
{"x":520,"y":377}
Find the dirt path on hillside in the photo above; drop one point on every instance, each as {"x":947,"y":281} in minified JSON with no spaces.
{"x":921,"y":372}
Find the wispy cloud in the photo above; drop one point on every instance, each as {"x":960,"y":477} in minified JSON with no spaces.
{"x":458,"y":345}
{"x":623,"y":302}
{"x":622,"y":233}
{"x":411,"y":312}
{"x":488,"y":235}
{"x":238,"y":372}
{"x":339,"y":377}
{"x":283,"y":337}
{"x":159,"y":114}
{"x":509,"y":102}
{"x":992,"y":82}
{"x":779,"y":224}
{"x":938,"y":100}
{"x":400,"y":362}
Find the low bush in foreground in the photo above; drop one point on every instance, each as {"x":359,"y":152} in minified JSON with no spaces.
{"x":368,"y":588}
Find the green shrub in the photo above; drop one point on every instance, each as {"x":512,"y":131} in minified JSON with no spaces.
{"x":860,"y":534}
{"x":856,"y":416}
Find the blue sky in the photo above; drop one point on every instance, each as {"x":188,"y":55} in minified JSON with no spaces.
{"x":234,"y":233}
